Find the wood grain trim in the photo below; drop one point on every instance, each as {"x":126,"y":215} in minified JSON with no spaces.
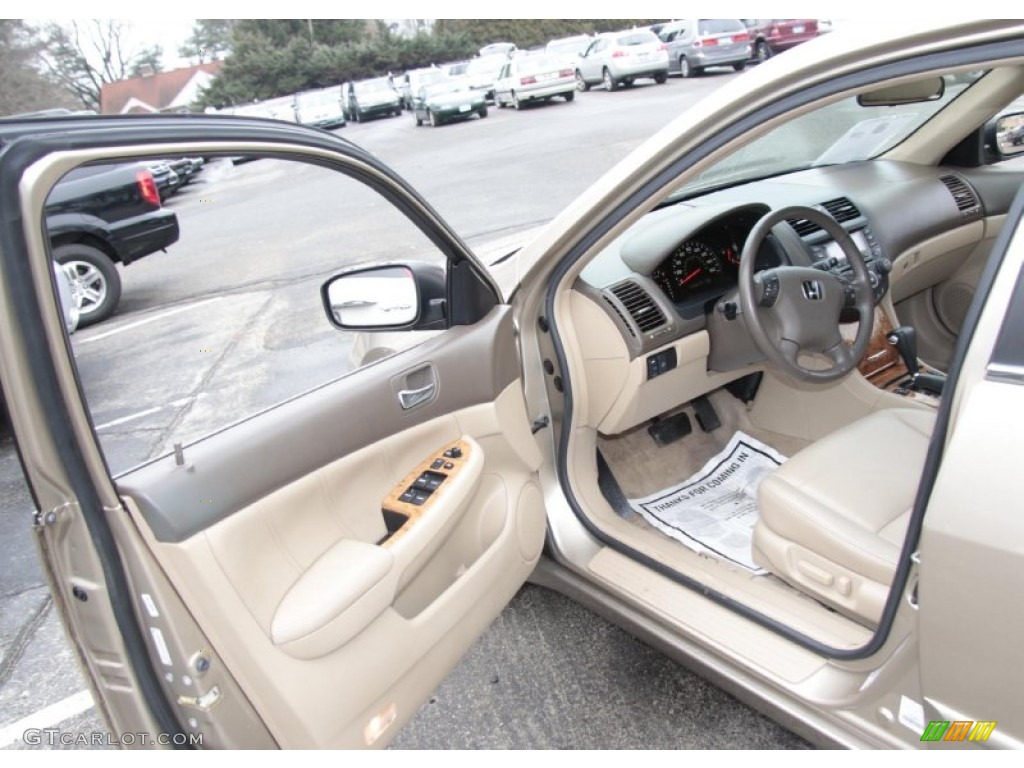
{"x":881,"y":362}
{"x":393,"y":502}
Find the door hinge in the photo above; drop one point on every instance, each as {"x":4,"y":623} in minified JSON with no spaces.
{"x":539,"y":424}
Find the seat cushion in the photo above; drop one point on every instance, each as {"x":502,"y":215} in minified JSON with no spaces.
{"x":833,"y":517}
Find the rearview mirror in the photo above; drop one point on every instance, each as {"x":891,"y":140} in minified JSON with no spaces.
{"x":929,"y":89}
{"x":387,"y":297}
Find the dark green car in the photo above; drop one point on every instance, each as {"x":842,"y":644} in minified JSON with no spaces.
{"x":447,"y":101}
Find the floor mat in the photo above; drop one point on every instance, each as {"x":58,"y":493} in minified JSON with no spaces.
{"x":715,"y":509}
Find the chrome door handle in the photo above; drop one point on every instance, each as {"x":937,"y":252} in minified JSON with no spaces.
{"x":409,"y":398}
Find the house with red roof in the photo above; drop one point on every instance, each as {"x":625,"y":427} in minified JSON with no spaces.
{"x":170,"y":91}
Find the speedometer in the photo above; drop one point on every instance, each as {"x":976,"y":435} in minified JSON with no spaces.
{"x":691,"y":267}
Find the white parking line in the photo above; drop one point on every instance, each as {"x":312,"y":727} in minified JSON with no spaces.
{"x":47,"y":717}
{"x":147,"y":321}
{"x":179,"y":403}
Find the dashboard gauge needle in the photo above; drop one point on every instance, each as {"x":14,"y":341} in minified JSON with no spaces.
{"x":690,"y":276}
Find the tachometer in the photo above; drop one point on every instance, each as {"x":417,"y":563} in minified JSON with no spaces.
{"x":690,"y":268}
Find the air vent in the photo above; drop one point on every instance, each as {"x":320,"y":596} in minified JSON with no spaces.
{"x":962,"y":193}
{"x":639,"y":305}
{"x":625,"y":323}
{"x":841,"y":209}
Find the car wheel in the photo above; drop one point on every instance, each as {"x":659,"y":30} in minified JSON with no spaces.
{"x":95,"y":282}
{"x":434,"y":121}
{"x":685,"y":70}
{"x":740,"y":67}
{"x":569,"y":95}
{"x":660,"y":78}
{"x":515,"y":101}
{"x":581,"y":84}
{"x":610,"y":83}
{"x":419,"y":120}
{"x":762,"y":51}
{"x":482,"y":111}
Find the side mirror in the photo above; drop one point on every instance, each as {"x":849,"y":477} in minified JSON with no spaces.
{"x":1009,"y":134}
{"x":387,"y":297}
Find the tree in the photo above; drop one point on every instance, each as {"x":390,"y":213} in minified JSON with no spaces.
{"x":85,"y":55}
{"x":210,"y":40}
{"x":148,"y":62}
{"x":23,"y":88}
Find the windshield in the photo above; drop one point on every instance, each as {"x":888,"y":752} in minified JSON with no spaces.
{"x":841,"y":132}
{"x":373,"y":86}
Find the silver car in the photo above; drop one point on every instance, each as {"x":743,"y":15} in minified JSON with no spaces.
{"x":535,"y":77}
{"x":619,"y":58}
{"x":695,"y":44}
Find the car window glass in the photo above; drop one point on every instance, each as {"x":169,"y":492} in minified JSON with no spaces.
{"x":637,"y":38}
{"x":229,"y":321}
{"x":719,"y":26}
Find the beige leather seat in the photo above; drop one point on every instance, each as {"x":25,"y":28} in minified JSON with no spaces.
{"x":833,"y":517}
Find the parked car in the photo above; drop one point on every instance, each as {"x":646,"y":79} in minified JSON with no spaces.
{"x":367,"y":99}
{"x":447,"y":101}
{"x":675,"y":339}
{"x":166,"y":178}
{"x":483,"y":71}
{"x":568,"y":49}
{"x":322,"y":107}
{"x":534,"y":77}
{"x":410,"y":83}
{"x":100,"y":216}
{"x":696,"y":44}
{"x":769,"y":37}
{"x":619,"y":58}
{"x":504,"y":49}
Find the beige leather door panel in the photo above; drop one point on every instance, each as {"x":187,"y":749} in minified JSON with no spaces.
{"x":339,"y":599}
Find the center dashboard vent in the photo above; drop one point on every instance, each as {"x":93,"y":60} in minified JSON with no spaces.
{"x":963,"y":195}
{"x":841,"y":209}
{"x":641,"y":307}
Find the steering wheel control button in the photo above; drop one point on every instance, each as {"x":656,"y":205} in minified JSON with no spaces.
{"x":769,"y":290}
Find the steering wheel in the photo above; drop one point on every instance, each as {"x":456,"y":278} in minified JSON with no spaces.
{"x":791,"y":311}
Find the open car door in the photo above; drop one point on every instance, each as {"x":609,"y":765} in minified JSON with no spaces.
{"x":304,"y":574}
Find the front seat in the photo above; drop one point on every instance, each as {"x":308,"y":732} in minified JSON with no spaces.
{"x":833,"y":517}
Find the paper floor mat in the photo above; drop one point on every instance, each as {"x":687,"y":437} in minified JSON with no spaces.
{"x":715,"y":509}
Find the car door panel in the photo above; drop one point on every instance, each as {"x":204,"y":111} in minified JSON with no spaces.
{"x":238,"y":576}
{"x":290,"y":571}
{"x":297,"y":437}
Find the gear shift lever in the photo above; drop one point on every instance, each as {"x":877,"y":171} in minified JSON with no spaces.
{"x":904,"y":339}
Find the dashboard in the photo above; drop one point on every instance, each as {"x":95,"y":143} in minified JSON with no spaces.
{"x":680,"y":262}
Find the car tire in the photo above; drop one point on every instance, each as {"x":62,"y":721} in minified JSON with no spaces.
{"x":762,"y":52}
{"x":434,"y":120}
{"x":581,"y":85}
{"x":95,"y":282}
{"x":419,"y":120}
{"x":610,"y":83}
{"x":740,"y":67}
{"x":660,"y":78}
{"x":685,"y":70}
{"x":569,"y":95}
{"x":482,"y":111}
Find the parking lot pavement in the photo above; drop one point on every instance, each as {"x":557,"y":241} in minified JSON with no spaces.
{"x":547,"y":673}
